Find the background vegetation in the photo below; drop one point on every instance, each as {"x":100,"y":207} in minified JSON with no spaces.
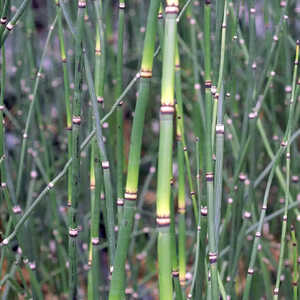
{"x":149,"y":149}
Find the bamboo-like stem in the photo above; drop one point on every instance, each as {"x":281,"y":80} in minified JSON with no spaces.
{"x":95,"y":177}
{"x":4,"y":16}
{"x":119,"y":125}
{"x":76,"y":120}
{"x":165,"y":153}
{"x":213,"y":254}
{"x":2,"y":129}
{"x":295,"y":264}
{"x":67,"y":96}
{"x":221,"y":70}
{"x":13,"y":21}
{"x":93,"y":290}
{"x":174,"y":256}
{"x":285,"y":143}
{"x":64,"y":170}
{"x":288,"y":166}
{"x":117,"y":286}
{"x":181,"y":178}
{"x":219,"y":163}
{"x":104,"y":163}
{"x":30,"y":112}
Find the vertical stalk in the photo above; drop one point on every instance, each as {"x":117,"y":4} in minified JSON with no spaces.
{"x":284,"y":144}
{"x":213,"y":254}
{"x":76,"y":120}
{"x":287,"y":187}
{"x":181,"y":178}
{"x":67,"y":97}
{"x":295,"y":264}
{"x":2,"y":132}
{"x":120,"y":142}
{"x":219,"y":162}
{"x":221,"y":70}
{"x":117,"y":287}
{"x":165,"y":153}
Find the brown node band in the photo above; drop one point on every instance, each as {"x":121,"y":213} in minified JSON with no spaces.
{"x":17,"y":209}
{"x":242,"y":177}
{"x":252,"y":115}
{"x":204,"y":211}
{"x":160,"y":15}
{"x":95,"y":241}
{"x":175,"y":273}
{"x":212,"y":257}
{"x":3,"y":20}
{"x":172,"y":9}
{"x":209,"y":176}
{"x":207,"y":2}
{"x":120,"y":202}
{"x":146,"y":73}
{"x":167,"y":109}
{"x":177,"y":67}
{"x":122,"y":5}
{"x":97,"y":51}
{"x":247,"y":215}
{"x":105,"y":164}
{"x":131,"y":196}
{"x":73,"y":232}
{"x":258,"y":234}
{"x":250,"y":271}
{"x":100,"y":99}
{"x":9,"y":26}
{"x":181,"y":210}
{"x":283,"y":144}
{"x":76,"y":120}
{"x":207,"y":84}
{"x":276,"y":291}
{"x":163,"y":221}
{"x":219,"y":128}
{"x":81,"y":4}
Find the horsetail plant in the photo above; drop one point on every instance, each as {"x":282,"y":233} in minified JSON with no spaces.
{"x":117,"y":286}
{"x":226,"y":204}
{"x":165,"y":152}
{"x":119,"y":121}
{"x":288,"y":167}
{"x":209,"y":176}
{"x":76,"y":120}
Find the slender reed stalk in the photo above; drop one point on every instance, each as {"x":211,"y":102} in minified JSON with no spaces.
{"x":66,"y":94}
{"x":288,"y":167}
{"x":181,"y":170}
{"x":12,"y":22}
{"x":213,"y":254}
{"x":60,"y":175}
{"x":295,"y":263}
{"x":285,"y":143}
{"x":165,"y":153}
{"x":117,"y":287}
{"x":76,"y":120}
{"x":119,"y":125}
